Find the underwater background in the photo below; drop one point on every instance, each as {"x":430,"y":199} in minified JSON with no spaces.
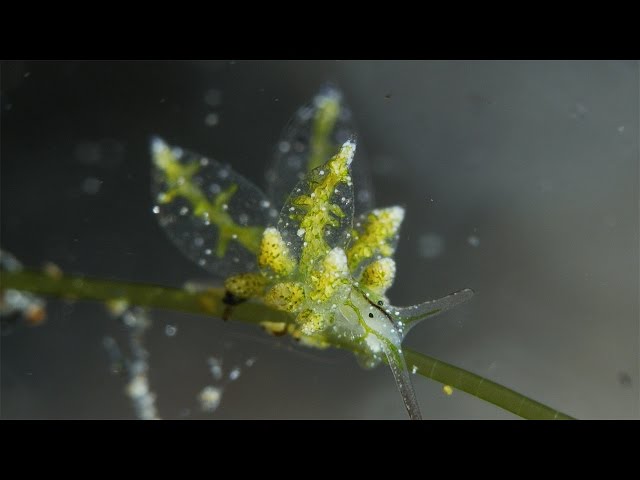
{"x":519,"y":179}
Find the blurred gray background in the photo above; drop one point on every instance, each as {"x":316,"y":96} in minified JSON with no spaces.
{"x":520,"y":180}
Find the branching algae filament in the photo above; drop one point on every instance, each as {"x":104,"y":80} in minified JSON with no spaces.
{"x":310,"y":260}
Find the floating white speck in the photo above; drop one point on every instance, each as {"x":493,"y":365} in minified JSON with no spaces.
{"x":156,"y":209}
{"x":209,"y":398}
{"x":234,"y":374}
{"x":321,"y":172}
{"x":265,"y":203}
{"x":184,"y":211}
{"x":91,"y":185}
{"x":207,"y":251}
{"x":284,"y":146}
{"x":430,"y":245}
{"x":211,"y":120}
{"x":225,"y":207}
{"x":473,"y":240}
{"x":224,"y":173}
{"x":213,"y":97}
{"x":300,"y":232}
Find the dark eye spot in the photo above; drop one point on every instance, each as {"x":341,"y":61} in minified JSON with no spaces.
{"x":370,"y":315}
{"x":380,"y":302}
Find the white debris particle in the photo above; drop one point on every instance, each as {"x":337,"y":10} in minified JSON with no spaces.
{"x":621,"y":129}
{"x":213,"y":97}
{"x":211,"y":120}
{"x":300,"y":232}
{"x":234,"y":374}
{"x":414,"y":369}
{"x":284,"y":146}
{"x":250,"y":362}
{"x":430,"y":245}
{"x":184,"y":211}
{"x":215,"y":367}
{"x":91,"y":185}
{"x":209,"y":398}
{"x":473,"y":240}
{"x":156,"y":209}
{"x":225,"y":207}
{"x":170,"y":330}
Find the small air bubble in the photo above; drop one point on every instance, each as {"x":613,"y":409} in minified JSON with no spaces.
{"x":321,"y":172}
{"x":170,"y":330}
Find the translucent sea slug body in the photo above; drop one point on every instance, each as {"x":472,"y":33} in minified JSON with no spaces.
{"x":314,"y":263}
